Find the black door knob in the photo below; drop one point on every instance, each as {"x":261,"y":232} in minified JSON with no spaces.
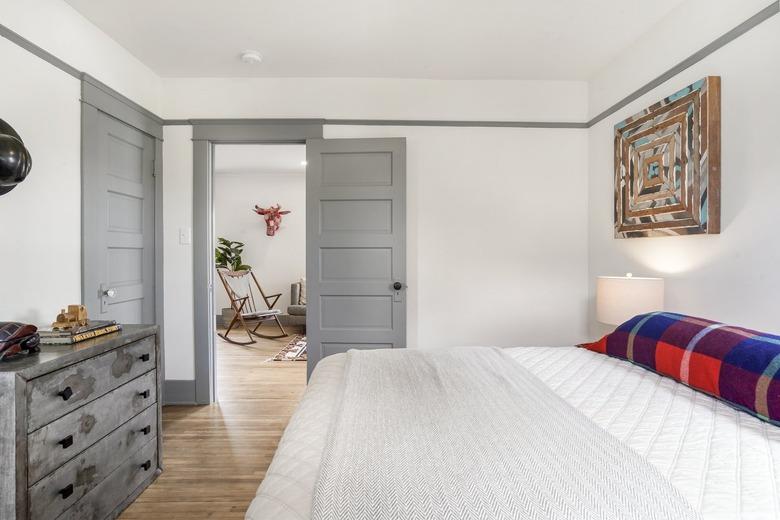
{"x":145,"y":394}
{"x":146,"y":429}
{"x":398,"y":286}
{"x":146,"y":465}
{"x":144,"y":358}
{"x":66,"y":394}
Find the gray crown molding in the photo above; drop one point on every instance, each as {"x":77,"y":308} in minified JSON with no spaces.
{"x":755,"y":20}
{"x":105,"y":99}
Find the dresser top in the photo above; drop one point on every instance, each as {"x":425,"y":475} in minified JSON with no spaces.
{"x":54,"y":357}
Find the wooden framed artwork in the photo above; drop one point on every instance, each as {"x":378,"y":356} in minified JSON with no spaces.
{"x":667,"y":165}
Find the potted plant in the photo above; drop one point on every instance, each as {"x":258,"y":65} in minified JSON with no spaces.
{"x":228,"y":256}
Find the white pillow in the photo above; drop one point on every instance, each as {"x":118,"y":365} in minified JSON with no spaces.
{"x":302,"y":296}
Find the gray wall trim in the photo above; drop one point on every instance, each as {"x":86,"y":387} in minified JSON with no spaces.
{"x":159,"y":253}
{"x":50,"y":58}
{"x":179,"y":391}
{"x":205,"y":136}
{"x":755,"y":20}
{"x":203,"y":277}
{"x":438,"y":122}
{"x":115,"y":105}
{"x":378,"y":122}
{"x":120,"y":97}
{"x":241,"y":131}
{"x":45,"y":55}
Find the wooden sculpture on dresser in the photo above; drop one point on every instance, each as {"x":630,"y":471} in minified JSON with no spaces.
{"x":667,"y":165}
{"x":273,"y":218}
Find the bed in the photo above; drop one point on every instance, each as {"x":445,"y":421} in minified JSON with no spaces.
{"x":721,"y":460}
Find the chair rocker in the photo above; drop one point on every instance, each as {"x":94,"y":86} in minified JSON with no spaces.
{"x":239,"y":287}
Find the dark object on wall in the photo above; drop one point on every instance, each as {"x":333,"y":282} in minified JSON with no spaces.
{"x":15,"y":160}
{"x":17,"y":339}
{"x":667,"y":165}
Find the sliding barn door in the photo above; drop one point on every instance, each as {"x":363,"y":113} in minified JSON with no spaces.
{"x":356,"y":245}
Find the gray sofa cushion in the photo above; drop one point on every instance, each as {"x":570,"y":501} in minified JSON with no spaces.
{"x":297,"y":310}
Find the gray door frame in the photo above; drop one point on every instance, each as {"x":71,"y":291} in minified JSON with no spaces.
{"x":98,"y":97}
{"x":206,"y":134}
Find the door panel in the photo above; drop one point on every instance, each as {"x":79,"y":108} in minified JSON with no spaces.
{"x":356,"y":249}
{"x":118,"y":220}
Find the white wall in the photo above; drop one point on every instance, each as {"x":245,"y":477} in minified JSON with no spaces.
{"x":42,"y":216}
{"x":177,"y":257}
{"x":734,"y":276}
{"x":374,"y":98}
{"x":517,"y":277}
{"x":279,"y":260}
{"x":41,"y":230}
{"x":58,"y":28}
{"x":496,"y":239}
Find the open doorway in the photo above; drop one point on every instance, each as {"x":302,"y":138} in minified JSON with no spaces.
{"x":259,"y":296}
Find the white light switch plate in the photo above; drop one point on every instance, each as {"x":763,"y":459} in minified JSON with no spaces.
{"x":185,"y":236}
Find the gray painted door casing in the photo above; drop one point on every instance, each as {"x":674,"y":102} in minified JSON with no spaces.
{"x":118,"y":201}
{"x":356,"y":245}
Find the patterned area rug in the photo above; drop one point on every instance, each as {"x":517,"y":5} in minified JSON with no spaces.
{"x":294,"y":351}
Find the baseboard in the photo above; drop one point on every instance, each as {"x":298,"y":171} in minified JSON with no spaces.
{"x":179,"y":391}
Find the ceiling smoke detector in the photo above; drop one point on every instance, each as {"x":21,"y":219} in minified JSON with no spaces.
{"x":251,"y":57}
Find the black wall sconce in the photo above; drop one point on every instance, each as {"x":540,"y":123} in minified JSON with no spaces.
{"x":15,"y":160}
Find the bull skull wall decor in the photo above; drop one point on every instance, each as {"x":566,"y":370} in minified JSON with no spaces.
{"x":272,"y":216}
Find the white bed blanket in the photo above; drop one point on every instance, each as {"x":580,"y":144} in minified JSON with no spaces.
{"x":723,"y":461}
{"x":468,"y":433}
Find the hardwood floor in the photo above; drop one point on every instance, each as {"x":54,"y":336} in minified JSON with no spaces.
{"x":215,"y":456}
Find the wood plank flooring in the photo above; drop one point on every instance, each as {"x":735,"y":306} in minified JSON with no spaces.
{"x":215,"y":456}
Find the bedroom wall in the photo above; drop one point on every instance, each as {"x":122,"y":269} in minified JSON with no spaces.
{"x":277,"y":261}
{"x":734,"y":276}
{"x":43,"y":104}
{"x":496,"y":242}
{"x":495,"y":266}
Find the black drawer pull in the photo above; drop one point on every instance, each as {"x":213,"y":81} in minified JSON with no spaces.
{"x":146,"y":465}
{"x":145,"y":394}
{"x":146,"y":430}
{"x":67,"y":442}
{"x":66,"y":394}
{"x":144,"y":358}
{"x":66,"y":491}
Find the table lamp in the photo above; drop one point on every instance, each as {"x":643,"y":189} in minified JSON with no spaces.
{"x":619,"y":298}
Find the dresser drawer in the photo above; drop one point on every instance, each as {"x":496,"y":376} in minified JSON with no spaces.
{"x":63,"y":488}
{"x":109,"y":494}
{"x":54,"y":395}
{"x":59,"y":441}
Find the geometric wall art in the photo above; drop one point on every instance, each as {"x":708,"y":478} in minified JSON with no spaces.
{"x":667,"y":165}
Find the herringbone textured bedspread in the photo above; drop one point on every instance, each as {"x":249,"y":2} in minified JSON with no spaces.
{"x":470,"y":434}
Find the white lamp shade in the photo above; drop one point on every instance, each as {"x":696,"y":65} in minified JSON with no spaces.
{"x":619,"y":298}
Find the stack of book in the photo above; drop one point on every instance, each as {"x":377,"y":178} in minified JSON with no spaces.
{"x":92,"y":329}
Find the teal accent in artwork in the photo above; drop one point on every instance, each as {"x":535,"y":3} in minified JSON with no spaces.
{"x":653,"y":170}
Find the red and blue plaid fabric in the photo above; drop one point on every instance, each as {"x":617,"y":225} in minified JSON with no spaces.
{"x":739,"y":366}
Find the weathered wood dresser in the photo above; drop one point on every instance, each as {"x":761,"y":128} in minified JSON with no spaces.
{"x":80,"y":427}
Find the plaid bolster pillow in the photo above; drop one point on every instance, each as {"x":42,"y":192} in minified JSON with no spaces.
{"x":736,"y":365}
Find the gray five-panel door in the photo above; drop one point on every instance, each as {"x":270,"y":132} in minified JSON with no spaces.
{"x":356,"y":245}
{"x":118,"y":220}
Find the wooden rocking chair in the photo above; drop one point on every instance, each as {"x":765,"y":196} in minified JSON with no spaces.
{"x":242,"y":300}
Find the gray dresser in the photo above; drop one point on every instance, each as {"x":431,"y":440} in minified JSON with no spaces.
{"x":80,"y":427}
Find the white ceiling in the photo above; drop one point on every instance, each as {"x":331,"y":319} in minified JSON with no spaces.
{"x":259,"y":159}
{"x":441,"y":39}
